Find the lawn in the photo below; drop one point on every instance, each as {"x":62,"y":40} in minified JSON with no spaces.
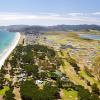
{"x":69,"y":95}
{"x":2,"y":91}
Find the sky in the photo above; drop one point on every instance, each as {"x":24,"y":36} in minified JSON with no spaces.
{"x":49,"y":12}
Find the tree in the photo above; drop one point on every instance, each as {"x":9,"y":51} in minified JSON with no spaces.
{"x":13,"y":62}
{"x":2,"y":73}
{"x":29,"y":90}
{"x":28,"y":57}
{"x":31,"y":69}
{"x":73,"y":63}
{"x":50,"y":92}
{"x":53,"y":76}
{"x":9,"y":95}
{"x":95,"y":89}
{"x":59,"y":82}
{"x":84,"y":94}
{"x":43,"y":75}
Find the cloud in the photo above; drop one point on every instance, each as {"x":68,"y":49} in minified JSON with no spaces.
{"x":48,"y":18}
{"x":96,"y":13}
{"x":76,"y":14}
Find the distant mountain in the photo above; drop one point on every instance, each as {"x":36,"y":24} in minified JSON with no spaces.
{"x":36,"y":29}
{"x":75,"y":27}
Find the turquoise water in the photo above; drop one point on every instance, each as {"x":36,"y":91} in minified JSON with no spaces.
{"x":6,"y":39}
{"x":90,"y":36}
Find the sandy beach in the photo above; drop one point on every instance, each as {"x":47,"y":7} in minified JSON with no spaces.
{"x":8,"y":51}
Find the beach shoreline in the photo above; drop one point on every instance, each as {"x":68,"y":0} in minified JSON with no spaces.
{"x":8,"y":51}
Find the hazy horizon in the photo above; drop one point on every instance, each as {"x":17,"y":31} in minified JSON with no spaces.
{"x":48,"y":13}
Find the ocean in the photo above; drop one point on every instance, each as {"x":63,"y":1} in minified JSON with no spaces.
{"x":6,"y":38}
{"x":8,"y":41}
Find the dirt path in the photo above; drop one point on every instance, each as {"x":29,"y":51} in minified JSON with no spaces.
{"x":16,"y":91}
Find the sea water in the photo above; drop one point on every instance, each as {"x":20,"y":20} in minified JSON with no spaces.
{"x":6,"y":39}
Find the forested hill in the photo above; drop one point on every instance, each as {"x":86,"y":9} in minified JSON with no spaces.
{"x":33,"y":28}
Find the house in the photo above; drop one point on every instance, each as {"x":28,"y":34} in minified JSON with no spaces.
{"x":67,"y":46}
{"x":39,"y":82}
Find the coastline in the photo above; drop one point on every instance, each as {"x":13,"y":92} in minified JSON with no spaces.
{"x":8,"y":51}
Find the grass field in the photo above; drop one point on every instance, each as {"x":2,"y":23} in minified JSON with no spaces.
{"x":2,"y":91}
{"x":86,"y":49}
{"x":90,"y":79}
{"x":70,"y":72}
{"x":69,"y":95}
